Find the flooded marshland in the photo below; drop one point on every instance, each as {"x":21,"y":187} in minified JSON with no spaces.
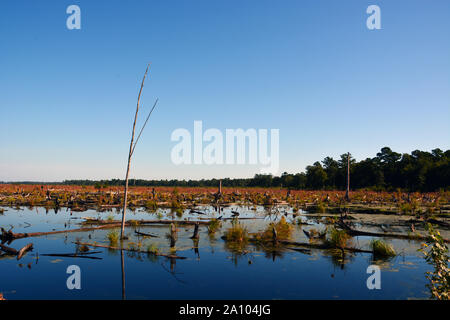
{"x":207,"y":267}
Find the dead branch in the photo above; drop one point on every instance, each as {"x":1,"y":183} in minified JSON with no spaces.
{"x":14,"y":252}
{"x":25,"y":249}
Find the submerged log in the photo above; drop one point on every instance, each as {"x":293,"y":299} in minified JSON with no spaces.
{"x":323,"y":246}
{"x":145,"y":234}
{"x":71,"y":255}
{"x":171,"y":256}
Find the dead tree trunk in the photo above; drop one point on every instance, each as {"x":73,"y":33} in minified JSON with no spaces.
{"x":173,"y":235}
{"x":195,"y":235}
{"x":274,"y":235}
{"x":347,"y":195}
{"x":129,"y":157}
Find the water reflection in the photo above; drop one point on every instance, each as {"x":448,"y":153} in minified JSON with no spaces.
{"x":294,"y":272}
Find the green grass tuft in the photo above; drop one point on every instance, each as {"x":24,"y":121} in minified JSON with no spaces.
{"x":382,"y":248}
{"x":338,"y":238}
{"x":113,"y":237}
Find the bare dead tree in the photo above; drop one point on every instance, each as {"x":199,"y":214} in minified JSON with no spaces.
{"x":132,"y":147}
{"x":347,"y":192}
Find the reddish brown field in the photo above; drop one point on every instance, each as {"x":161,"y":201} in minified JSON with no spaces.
{"x":12,"y":194}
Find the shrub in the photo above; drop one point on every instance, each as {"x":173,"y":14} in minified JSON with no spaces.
{"x":437,"y":256}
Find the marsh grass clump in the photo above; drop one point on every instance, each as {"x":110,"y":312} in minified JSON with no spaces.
{"x":110,"y":218}
{"x":214,"y":225}
{"x":338,"y":238}
{"x":135,"y":246}
{"x":83,"y":248}
{"x":237,"y":233}
{"x":134,"y":223}
{"x":321,"y":207}
{"x":282,"y":228}
{"x":179,"y":212}
{"x":381,"y":248}
{"x":331,"y":220}
{"x":152,"y":249}
{"x":159,"y":215}
{"x":113,"y":237}
{"x":409,"y":208}
{"x":151,"y":205}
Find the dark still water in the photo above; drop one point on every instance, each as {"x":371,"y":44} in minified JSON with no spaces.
{"x":210,"y":272}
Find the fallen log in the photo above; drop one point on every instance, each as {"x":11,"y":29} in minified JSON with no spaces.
{"x":323,"y":246}
{"x":9,"y":235}
{"x":440,"y":223}
{"x":305,"y":251}
{"x":170,"y":256}
{"x":196,"y":211}
{"x":230,"y":218}
{"x":354,"y":232}
{"x":143,"y":222}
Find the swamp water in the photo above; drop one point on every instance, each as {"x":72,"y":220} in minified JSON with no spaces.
{"x":210,"y":271}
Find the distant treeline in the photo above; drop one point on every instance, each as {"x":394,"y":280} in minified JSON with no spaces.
{"x":389,"y":170}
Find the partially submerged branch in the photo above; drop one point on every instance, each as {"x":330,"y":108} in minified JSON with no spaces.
{"x":14,"y":252}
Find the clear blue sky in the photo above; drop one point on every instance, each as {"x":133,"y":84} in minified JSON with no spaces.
{"x":309,"y":68}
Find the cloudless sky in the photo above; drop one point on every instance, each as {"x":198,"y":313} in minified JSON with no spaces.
{"x":309,"y":68}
